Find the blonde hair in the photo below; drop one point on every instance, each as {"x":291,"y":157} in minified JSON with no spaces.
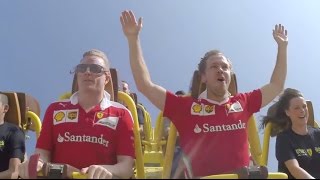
{"x":203,"y":62}
{"x":98,"y":53}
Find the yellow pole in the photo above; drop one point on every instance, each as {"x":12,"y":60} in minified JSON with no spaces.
{"x":266,"y":141}
{"x":254,"y":141}
{"x":171,"y":144}
{"x":137,"y":140}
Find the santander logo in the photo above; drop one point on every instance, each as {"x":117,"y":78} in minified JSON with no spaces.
{"x":67,"y":137}
{"x":206,"y":128}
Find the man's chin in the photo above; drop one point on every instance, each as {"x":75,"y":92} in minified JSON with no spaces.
{"x":88,"y":88}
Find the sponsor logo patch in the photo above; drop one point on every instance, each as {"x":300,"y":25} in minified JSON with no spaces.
{"x":235,"y":107}
{"x":196,"y":108}
{"x":202,"y":110}
{"x":207,"y":128}
{"x":72,"y":115}
{"x":59,"y":117}
{"x":99,"y":115}
{"x":1,"y":144}
{"x":309,"y":152}
{"x":110,"y":122}
{"x":63,"y":116}
{"x":68,"y":137}
{"x":197,"y":129}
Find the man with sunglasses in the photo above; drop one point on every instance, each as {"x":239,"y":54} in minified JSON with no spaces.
{"x":89,"y":133}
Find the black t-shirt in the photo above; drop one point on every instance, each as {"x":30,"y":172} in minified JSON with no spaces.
{"x":12,"y":144}
{"x":304,"y":148}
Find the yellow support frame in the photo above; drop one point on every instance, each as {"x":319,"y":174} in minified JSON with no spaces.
{"x":137,"y":140}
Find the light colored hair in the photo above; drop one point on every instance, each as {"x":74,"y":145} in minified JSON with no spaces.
{"x":98,"y":53}
{"x":4,"y":99}
{"x":203,"y":62}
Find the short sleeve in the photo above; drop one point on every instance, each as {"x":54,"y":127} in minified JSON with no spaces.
{"x":45,"y":139}
{"x":17,"y":142}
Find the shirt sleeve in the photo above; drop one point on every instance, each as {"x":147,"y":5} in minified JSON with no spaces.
{"x":176,"y":107}
{"x":254,"y":100}
{"x":284,"y":150}
{"x":45,"y":139}
{"x":125,"y":137}
{"x":17,"y":141}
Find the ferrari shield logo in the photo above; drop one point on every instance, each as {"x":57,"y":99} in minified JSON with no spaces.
{"x":99,"y":115}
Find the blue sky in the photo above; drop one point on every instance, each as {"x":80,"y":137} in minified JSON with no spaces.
{"x":41,"y":41}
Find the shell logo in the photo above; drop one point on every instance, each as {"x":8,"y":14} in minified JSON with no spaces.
{"x":197,"y":108}
{"x":59,"y":116}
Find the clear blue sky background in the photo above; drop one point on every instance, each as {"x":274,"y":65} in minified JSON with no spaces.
{"x":41,"y":41}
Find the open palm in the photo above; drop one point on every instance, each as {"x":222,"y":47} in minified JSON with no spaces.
{"x":129,"y":24}
{"x":280,"y":35}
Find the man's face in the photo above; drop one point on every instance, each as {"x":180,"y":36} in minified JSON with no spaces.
{"x":217,"y":74}
{"x":125,"y":88}
{"x":3,"y":109}
{"x":92,"y":74}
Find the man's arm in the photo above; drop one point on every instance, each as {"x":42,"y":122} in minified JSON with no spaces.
{"x":24,"y":167}
{"x":276,"y":85}
{"x":12,"y":172}
{"x":296,"y":171}
{"x":156,"y":94}
{"x":122,"y":170}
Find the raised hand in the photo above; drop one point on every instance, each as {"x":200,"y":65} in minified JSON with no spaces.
{"x":280,"y":35}
{"x":130,"y":26}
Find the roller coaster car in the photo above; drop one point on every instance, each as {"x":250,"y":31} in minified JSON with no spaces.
{"x":271,"y":130}
{"x":50,"y":170}
{"x":197,"y":87}
{"x":24,"y":111}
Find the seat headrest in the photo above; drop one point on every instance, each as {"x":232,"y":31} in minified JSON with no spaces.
{"x":111,"y":87}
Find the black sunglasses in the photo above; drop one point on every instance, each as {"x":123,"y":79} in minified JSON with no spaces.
{"x":93,"y":68}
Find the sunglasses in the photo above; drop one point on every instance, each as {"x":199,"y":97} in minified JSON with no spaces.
{"x":93,"y":68}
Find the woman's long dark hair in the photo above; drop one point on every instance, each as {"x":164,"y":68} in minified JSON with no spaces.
{"x":277,"y":112}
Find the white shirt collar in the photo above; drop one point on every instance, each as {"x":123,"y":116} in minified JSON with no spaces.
{"x":204,"y":95}
{"x":105,"y":103}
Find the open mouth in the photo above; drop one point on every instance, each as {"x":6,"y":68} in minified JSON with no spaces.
{"x":302,"y":117}
{"x":221,"y":79}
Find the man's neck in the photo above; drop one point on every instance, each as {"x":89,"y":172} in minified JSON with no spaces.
{"x":218,"y":98}
{"x":1,"y":121}
{"x":89,"y":100}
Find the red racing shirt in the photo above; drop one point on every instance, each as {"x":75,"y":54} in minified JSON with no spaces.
{"x":81,"y":139}
{"x":213,"y":135}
